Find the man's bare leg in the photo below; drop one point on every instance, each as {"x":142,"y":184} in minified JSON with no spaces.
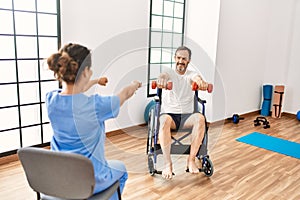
{"x":197,"y":121}
{"x":166,"y":123}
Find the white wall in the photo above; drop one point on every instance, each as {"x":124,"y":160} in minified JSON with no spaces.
{"x":282,"y":50}
{"x":116,"y":31}
{"x":241,"y":54}
{"x":249,"y":43}
{"x":258,"y":44}
{"x":292,"y":99}
{"x":201,"y":34}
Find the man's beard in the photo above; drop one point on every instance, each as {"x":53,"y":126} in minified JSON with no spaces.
{"x":180,"y":67}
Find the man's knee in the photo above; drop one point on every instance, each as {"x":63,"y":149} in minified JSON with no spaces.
{"x":165,"y":121}
{"x":199,"y":121}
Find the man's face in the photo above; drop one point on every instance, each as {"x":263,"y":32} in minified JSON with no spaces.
{"x":182,"y":60}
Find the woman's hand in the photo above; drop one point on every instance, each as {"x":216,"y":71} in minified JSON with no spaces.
{"x":128,"y":91}
{"x":137,"y":84}
{"x":102,"y":81}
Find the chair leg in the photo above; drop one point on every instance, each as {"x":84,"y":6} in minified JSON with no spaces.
{"x":38,"y":196}
{"x":119,"y":193}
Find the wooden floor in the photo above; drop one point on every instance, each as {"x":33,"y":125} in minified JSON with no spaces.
{"x":241,"y":171}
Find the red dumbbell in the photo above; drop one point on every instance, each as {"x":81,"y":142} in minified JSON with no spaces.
{"x":209,"y":87}
{"x":194,"y":86}
{"x":153,"y":84}
{"x":168,"y":87}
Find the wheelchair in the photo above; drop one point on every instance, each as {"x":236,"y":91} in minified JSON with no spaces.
{"x":177,"y":147}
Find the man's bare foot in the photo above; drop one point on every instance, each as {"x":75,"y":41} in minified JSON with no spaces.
{"x":167,"y":173}
{"x":192,"y":167}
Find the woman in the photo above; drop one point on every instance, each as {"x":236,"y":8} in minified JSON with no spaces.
{"x":78,"y":120}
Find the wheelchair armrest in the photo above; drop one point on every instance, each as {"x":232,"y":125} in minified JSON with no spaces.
{"x":201,"y":101}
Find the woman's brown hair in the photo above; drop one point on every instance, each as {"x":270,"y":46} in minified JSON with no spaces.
{"x":69,"y":62}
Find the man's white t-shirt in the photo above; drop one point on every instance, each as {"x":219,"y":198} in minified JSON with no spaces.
{"x":179,"y":100}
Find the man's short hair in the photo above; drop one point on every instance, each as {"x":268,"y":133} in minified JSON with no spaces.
{"x":184,"y":48}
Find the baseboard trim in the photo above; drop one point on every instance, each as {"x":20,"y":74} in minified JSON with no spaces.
{"x":289,"y":115}
{"x":225,"y":121}
{"x":12,"y":156}
{"x":8,"y":159}
{"x":125,"y":130}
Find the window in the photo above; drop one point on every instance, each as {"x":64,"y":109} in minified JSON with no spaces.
{"x":166,"y":34}
{"x":29,"y":33}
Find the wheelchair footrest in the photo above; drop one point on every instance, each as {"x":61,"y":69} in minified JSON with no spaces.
{"x":175,"y":149}
{"x":180,"y":149}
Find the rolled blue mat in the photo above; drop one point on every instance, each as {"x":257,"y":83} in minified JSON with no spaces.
{"x":267,"y":95}
{"x":267,"y":91}
{"x":266,"y":107}
{"x":265,"y":112}
{"x":266,"y":104}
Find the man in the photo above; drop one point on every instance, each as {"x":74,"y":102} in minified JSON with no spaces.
{"x":177,"y":109}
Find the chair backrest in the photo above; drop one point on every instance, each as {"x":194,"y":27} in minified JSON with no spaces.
{"x":59,"y":174}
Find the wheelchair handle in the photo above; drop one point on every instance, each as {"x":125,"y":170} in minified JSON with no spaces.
{"x":169,"y":85}
{"x":209,"y":87}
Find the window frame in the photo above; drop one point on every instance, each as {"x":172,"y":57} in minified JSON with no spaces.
{"x":162,"y":49}
{"x":39,"y":82}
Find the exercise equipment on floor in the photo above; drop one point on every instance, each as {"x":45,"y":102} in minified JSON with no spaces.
{"x":266,"y":104}
{"x":277,"y":101}
{"x":235,"y":118}
{"x":298,"y":115}
{"x":262,"y":120}
{"x":148,"y":108}
{"x":271,"y":143}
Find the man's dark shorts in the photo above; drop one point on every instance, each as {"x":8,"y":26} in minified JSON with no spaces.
{"x":179,"y":119}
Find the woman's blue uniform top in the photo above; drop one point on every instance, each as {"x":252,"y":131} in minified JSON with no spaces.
{"x":78,"y":126}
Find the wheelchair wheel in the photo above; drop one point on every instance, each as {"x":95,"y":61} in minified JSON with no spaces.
{"x":150,"y":132}
{"x":207,"y":166}
{"x":151,"y":164}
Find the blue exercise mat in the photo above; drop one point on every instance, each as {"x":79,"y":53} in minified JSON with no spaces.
{"x":272,"y":143}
